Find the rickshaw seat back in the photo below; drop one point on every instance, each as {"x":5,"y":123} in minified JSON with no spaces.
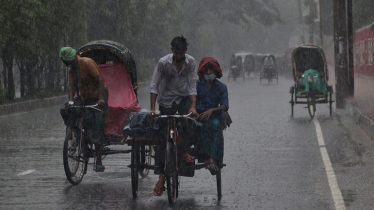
{"x":122,"y":99}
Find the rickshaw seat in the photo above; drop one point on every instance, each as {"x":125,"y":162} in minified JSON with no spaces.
{"x":122,"y":98}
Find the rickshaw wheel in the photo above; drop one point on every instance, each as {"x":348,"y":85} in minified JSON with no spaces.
{"x":219,"y":185}
{"x":329,"y":88}
{"x":146,"y":156}
{"x":292,"y":91}
{"x":134,"y":169}
{"x":311,"y":104}
{"x":277,"y":76}
{"x":171,"y":172}
{"x":74,"y":157}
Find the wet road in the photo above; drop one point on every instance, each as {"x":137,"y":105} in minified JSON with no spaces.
{"x":273,"y":161}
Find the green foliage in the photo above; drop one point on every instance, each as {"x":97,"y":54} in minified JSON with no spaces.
{"x":34,"y":30}
{"x":362,"y":13}
{"x":2,"y":96}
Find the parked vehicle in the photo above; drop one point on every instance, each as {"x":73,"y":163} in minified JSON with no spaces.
{"x":310,"y":73}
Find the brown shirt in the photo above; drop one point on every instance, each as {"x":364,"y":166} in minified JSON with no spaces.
{"x":88,"y":68}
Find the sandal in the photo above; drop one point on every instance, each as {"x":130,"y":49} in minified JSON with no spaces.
{"x":158,"y":191}
{"x":212,"y":167}
{"x":99,"y":168}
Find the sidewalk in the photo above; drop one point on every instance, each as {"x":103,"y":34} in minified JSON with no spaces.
{"x":361,"y":105}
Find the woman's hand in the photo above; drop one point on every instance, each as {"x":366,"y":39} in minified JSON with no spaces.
{"x":205,"y":115}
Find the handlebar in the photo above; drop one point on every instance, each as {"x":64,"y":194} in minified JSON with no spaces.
{"x":187,"y":116}
{"x":93,"y":106}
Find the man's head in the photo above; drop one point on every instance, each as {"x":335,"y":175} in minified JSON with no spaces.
{"x":68,"y":55}
{"x":179,"y":48}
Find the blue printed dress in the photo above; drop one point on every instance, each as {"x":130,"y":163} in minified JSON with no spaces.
{"x":210,"y":135}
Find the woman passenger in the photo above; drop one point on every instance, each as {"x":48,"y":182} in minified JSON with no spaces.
{"x":211,"y":104}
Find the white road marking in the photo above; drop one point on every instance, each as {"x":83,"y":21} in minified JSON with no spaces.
{"x":25,"y":172}
{"x":333,"y":183}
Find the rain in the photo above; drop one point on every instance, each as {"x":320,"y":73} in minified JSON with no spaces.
{"x":285,"y":149}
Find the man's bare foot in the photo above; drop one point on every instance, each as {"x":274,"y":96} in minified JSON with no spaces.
{"x":160,"y":186}
{"x":188,"y":158}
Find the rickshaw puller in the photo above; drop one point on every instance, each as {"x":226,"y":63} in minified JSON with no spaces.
{"x":86,"y":81}
{"x":174,"y":86}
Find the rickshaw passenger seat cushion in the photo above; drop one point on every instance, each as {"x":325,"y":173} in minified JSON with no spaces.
{"x":139,"y":125}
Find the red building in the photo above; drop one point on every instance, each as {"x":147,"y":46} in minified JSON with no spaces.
{"x":363,"y":51}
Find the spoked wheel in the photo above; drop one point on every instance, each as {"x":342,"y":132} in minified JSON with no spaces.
{"x":219,"y":185}
{"x":146,"y":155}
{"x":311,"y":104}
{"x":171,"y":172}
{"x":135,"y":169}
{"x":277,"y":76}
{"x":292,"y":102}
{"x":330,"y":99}
{"x":74,"y":157}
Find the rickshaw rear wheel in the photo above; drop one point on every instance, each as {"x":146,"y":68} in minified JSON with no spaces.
{"x":146,"y":156}
{"x":219,"y":185}
{"x":134,"y":169}
{"x":74,"y":157}
{"x":329,"y":88}
{"x":171,"y":172}
{"x":311,"y":104}
{"x":292,"y":92}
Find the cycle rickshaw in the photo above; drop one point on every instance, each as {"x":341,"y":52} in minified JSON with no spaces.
{"x":119,"y":72}
{"x":311,"y":75}
{"x":175,"y":166}
{"x":236,"y":69}
{"x":269,"y":68}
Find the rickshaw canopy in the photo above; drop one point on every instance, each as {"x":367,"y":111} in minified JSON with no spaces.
{"x":309,"y":56}
{"x":113,"y":51}
{"x":118,"y":70}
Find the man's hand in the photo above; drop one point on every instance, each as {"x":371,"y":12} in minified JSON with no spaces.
{"x":194,"y":112}
{"x":101,"y":103}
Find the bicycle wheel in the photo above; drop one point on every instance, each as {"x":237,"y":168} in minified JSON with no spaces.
{"x":146,"y":155}
{"x":311,"y":104}
{"x":171,"y":172}
{"x":219,"y":185}
{"x":75,"y":162}
{"x":134,"y":169}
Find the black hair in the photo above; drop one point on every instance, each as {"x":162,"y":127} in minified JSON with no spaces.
{"x":179,"y":43}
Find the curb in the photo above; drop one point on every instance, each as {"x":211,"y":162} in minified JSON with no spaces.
{"x":25,"y":106}
{"x":359,"y":118}
{"x":32,"y":105}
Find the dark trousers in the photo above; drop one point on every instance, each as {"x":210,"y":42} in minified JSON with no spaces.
{"x":187,"y":131}
{"x":93,"y":119}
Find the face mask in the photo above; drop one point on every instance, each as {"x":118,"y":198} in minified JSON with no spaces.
{"x":210,"y":77}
